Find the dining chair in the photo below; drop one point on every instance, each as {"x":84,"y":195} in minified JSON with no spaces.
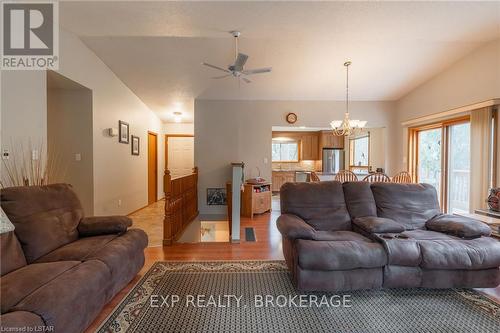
{"x":314,"y":177}
{"x":344,"y":176}
{"x":402,"y":177}
{"x":377,"y":177}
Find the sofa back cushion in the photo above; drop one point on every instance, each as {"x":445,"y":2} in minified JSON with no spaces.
{"x":410,"y":205}
{"x":320,"y":204}
{"x":45,"y":217}
{"x":11,"y":254}
{"x":359,"y":199}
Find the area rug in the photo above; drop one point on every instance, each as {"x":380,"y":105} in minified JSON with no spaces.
{"x":258,"y":296}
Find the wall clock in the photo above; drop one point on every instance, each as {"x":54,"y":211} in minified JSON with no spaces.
{"x":291,"y":118}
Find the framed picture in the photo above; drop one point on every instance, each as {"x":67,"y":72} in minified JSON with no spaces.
{"x":135,"y":145}
{"x":216,"y":197}
{"x":123,"y":135}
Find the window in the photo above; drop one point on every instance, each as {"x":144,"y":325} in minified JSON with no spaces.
{"x":359,"y":152}
{"x":285,"y":151}
{"x":439,"y":155}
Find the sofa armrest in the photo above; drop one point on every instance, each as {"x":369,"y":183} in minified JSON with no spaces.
{"x":373,"y":224}
{"x":102,"y":225}
{"x":459,"y":226}
{"x":293,"y":227}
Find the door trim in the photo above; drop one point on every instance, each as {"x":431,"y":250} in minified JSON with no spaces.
{"x":166,"y":144}
{"x":156,"y":164}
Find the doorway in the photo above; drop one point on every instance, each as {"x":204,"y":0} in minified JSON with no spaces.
{"x":442,"y":159}
{"x":70,"y":152}
{"x":152,"y":167}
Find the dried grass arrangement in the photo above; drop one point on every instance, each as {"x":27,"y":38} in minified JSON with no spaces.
{"x":23,"y":168}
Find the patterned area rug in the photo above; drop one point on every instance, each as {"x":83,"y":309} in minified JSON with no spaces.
{"x":257,"y":296}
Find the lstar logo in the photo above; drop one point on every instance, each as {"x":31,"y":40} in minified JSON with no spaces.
{"x":30,"y":35}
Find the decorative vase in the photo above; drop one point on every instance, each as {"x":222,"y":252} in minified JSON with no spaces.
{"x":494,"y":199}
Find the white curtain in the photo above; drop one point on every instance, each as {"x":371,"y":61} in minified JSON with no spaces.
{"x":480,"y":163}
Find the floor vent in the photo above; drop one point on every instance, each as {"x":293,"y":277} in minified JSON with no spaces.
{"x":249,"y":235}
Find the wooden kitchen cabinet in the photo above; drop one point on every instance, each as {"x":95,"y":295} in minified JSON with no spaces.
{"x":328,"y":140}
{"x":309,"y":147}
{"x":281,"y":177}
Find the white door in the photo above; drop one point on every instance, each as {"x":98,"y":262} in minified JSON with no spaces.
{"x":180,"y":156}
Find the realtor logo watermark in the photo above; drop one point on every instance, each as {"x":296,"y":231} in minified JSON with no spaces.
{"x":30,"y":35}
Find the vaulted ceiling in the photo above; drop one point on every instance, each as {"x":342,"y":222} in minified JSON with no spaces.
{"x":156,"y":48}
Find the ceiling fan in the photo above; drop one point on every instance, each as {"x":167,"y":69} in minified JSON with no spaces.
{"x":237,"y":69}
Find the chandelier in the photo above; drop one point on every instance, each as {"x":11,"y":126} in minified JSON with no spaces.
{"x":347,"y":126}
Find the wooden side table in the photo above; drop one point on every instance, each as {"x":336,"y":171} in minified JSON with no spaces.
{"x":256,"y":199}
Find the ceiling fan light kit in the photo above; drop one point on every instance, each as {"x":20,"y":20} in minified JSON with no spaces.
{"x":237,"y":69}
{"x":347,"y":126}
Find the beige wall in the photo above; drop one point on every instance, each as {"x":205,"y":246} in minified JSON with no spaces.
{"x":473,"y":79}
{"x":23,"y":104}
{"x":178,"y":128}
{"x":235,"y":131}
{"x":118,"y":176}
{"x":69,"y":132}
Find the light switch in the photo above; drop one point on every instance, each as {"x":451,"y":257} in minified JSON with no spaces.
{"x":78,"y":157}
{"x":34,"y":155}
{"x":265,"y":160}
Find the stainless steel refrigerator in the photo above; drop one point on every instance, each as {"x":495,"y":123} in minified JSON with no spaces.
{"x":333,"y":160}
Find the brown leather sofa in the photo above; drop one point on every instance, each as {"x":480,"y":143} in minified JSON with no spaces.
{"x":59,"y":268}
{"x":359,"y":235}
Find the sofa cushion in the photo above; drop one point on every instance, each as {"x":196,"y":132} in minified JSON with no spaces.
{"x":459,"y":226}
{"x":320,"y":204}
{"x":372,"y":224}
{"x":78,"y":250}
{"x":122,"y":255}
{"x":340,"y":254}
{"x":359,"y":199}
{"x":103,"y":225}
{"x":11,"y":254}
{"x":473,"y":254}
{"x":71,"y":301}
{"x":410,"y":205}
{"x":45,"y":217}
{"x":20,"y":283}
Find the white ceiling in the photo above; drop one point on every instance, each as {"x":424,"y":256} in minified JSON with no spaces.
{"x":156,"y":47}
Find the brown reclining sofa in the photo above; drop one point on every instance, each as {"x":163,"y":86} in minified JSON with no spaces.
{"x":359,"y":235}
{"x":59,"y":268}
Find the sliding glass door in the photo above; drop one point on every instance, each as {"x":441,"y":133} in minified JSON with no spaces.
{"x":459,"y":168}
{"x":429,"y":157}
{"x":441,"y":157}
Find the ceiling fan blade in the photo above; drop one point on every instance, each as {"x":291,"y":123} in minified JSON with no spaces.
{"x":257,"y":71}
{"x":220,"y":77}
{"x":215,"y":67}
{"x":241,"y":59}
{"x":246,"y":80}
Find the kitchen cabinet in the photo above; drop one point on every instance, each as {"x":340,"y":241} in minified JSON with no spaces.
{"x":281,"y":177}
{"x":309,"y":147}
{"x":328,"y":140}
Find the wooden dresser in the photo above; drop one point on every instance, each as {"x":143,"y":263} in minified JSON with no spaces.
{"x":256,"y":199}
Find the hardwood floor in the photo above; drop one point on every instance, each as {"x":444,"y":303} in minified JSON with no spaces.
{"x":266,"y":247}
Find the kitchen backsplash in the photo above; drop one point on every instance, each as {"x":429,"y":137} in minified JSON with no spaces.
{"x":302,"y":165}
